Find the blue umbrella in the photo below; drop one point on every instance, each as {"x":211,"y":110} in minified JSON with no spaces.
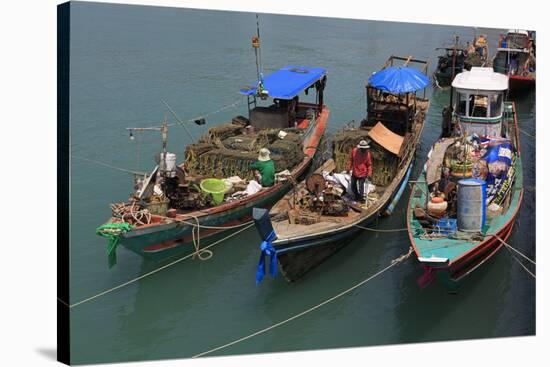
{"x":398,"y":80}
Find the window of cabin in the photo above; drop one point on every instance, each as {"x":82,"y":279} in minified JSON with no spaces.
{"x":477,"y":105}
{"x":462,"y":103}
{"x":496,"y":105}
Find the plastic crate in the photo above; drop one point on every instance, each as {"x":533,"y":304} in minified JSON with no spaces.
{"x":446,"y":226}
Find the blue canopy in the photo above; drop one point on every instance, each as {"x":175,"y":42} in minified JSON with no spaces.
{"x":287,"y":82}
{"x":398,"y":80}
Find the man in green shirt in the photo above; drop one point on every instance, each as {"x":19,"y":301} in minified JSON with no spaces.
{"x":264,"y":165}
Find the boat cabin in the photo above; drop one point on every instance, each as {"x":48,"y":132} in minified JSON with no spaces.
{"x":388,"y":102}
{"x":395,"y":115}
{"x":516,"y":39}
{"x":478,"y":97}
{"x":283,"y":87}
{"x":515,"y":54}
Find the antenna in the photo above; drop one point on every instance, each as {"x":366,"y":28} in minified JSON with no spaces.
{"x":260,"y":91}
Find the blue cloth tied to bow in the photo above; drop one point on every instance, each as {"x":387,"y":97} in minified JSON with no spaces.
{"x":269,"y":250}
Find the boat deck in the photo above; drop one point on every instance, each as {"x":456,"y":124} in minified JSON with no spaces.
{"x":450,"y":248}
{"x":285,"y":229}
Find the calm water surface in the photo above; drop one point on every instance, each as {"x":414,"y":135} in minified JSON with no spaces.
{"x":124,"y":60}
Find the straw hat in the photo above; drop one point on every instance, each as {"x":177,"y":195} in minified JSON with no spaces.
{"x":363,"y":145}
{"x":264,"y":155}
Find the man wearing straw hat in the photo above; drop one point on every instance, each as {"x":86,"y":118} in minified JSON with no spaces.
{"x":361,"y":167}
{"x":265,"y":168}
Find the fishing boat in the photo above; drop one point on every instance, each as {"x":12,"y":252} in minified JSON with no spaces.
{"x":449,"y":63}
{"x":464,"y":203}
{"x":455,"y":59}
{"x":176,"y":203}
{"x":515,"y":57}
{"x":317,"y":218}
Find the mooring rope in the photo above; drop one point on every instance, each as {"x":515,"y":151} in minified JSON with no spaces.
{"x":393,"y":263}
{"x":520,"y":263}
{"x":513,"y":249}
{"x":526,"y":133}
{"x":197,"y":242}
{"x":381,"y":230}
{"x":151,"y":272}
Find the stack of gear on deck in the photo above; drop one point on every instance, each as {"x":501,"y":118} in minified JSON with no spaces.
{"x":325,"y":196}
{"x":229,"y":150}
{"x":322,"y":198}
{"x":488,"y":159}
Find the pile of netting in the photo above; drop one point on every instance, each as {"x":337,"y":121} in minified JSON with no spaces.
{"x":384,"y":163}
{"x":227,"y":150}
{"x":343,"y":143}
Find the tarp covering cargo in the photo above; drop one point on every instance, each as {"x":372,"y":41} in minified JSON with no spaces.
{"x":386,"y":138}
{"x":399,"y":79}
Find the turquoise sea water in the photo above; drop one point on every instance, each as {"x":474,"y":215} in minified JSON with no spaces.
{"x":124,"y":61}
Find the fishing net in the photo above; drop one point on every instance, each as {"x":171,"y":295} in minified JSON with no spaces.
{"x":343,"y":143}
{"x":384,"y":163}
{"x":224,"y":151}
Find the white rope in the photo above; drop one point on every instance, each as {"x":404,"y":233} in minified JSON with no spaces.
{"x":223,"y":108}
{"x":381,"y":230}
{"x":203,"y":254}
{"x":513,"y":249}
{"x":211,"y":227}
{"x":392,"y":264}
{"x":106,"y":165}
{"x":155,"y":271}
{"x":519,"y":262}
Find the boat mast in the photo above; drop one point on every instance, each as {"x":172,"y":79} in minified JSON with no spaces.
{"x":258,"y":53}
{"x":454,"y":59}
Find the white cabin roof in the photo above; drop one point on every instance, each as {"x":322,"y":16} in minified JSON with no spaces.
{"x":481,"y":79}
{"x":518,"y":31}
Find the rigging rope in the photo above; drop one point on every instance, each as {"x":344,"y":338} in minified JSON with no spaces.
{"x":107,"y":165}
{"x":151,"y":272}
{"x":392,"y":264}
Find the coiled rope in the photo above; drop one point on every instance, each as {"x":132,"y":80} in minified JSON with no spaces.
{"x":202,"y":254}
{"x":393,"y":263}
{"x":151,"y":272}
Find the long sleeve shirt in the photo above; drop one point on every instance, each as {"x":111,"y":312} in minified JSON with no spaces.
{"x":267,"y":170}
{"x":360,"y":163}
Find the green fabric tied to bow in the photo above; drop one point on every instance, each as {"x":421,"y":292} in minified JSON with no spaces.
{"x":113,"y":231}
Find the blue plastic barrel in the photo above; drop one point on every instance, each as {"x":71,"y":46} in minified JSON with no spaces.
{"x":471,"y":205}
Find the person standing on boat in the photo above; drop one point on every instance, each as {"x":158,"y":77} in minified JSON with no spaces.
{"x":481,"y":46}
{"x":361,"y":168}
{"x":264,"y":168}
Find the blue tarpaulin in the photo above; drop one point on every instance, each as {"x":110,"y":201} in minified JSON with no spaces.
{"x":399,"y":79}
{"x":288,"y":82}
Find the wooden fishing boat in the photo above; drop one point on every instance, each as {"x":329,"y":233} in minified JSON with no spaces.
{"x":449,"y":64}
{"x":453,"y":61}
{"x":465,"y":202}
{"x":160,"y":226}
{"x":515,"y":57}
{"x":315,"y":219}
